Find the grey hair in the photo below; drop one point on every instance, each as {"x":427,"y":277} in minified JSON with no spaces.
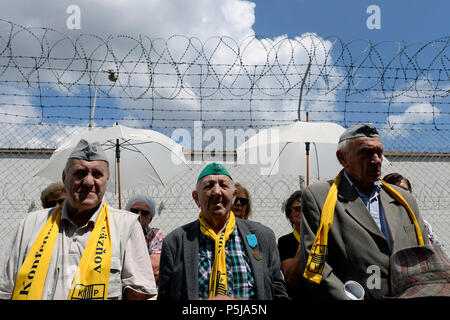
{"x":343,"y":145}
{"x":142,"y":198}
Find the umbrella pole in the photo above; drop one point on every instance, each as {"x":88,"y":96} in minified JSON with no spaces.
{"x":118,"y":171}
{"x":307,"y":148}
{"x":307,"y":162}
{"x":118,"y":179}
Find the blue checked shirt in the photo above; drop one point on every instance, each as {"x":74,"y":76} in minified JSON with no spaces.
{"x":240,"y":280}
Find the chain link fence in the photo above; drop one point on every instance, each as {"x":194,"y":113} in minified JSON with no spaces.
{"x":429,"y":174}
{"x":53,"y":86}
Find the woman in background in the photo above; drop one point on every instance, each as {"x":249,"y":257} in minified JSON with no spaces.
{"x":242,"y":206}
{"x":146,"y":208}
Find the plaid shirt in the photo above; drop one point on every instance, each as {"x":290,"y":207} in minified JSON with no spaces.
{"x":240,"y":280}
{"x":154,"y":239}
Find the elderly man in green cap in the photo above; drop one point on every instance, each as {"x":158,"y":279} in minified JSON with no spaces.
{"x":351,"y":225}
{"x":219,"y":256}
{"x":81,"y":249}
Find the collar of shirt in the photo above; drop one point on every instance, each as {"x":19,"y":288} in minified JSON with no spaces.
{"x":375,"y":190}
{"x":91,"y":222}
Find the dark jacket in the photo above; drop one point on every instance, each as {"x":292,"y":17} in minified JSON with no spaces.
{"x":178,"y":273}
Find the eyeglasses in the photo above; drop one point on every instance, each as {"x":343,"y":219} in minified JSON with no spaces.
{"x":53,"y":203}
{"x":136,"y":210}
{"x":243,"y":201}
{"x":296,"y":209}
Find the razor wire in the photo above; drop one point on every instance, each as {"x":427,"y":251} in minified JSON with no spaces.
{"x":49,"y":82}
{"x":253,"y":83}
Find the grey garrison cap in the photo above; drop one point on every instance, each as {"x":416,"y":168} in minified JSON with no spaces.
{"x":359,"y":130}
{"x":89,"y":151}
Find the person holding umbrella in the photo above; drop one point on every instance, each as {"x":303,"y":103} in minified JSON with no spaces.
{"x":82,"y":249}
{"x":218,"y":256}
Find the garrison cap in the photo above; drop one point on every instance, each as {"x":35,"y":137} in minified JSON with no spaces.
{"x":213,"y":169}
{"x":89,"y":151}
{"x":359,"y":130}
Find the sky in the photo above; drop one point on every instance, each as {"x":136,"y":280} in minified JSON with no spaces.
{"x":401,"y":20}
{"x":277,"y":24}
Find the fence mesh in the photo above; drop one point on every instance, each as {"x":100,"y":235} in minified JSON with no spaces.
{"x":52,"y":86}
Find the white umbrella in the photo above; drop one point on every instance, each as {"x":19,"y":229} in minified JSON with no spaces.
{"x":141,"y":157}
{"x":284,"y":150}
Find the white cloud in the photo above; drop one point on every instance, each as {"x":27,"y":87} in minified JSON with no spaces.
{"x":212,"y":33}
{"x":414,"y":114}
{"x":16,"y":106}
{"x":153,"y":18}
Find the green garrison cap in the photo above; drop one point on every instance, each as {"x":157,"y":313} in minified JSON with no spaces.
{"x":213,"y":169}
{"x":88,"y":151}
{"x":359,"y":130}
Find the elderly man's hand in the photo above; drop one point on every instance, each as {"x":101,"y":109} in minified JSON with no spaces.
{"x":131,"y":294}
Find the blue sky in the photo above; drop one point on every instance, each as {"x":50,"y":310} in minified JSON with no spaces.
{"x":407,"y":20}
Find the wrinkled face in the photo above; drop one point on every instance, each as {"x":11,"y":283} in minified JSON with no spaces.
{"x":362,"y":160}
{"x":295,"y":214}
{"x":238,"y":207}
{"x":214,"y":195}
{"x":85,"y":183}
{"x":145,"y":216}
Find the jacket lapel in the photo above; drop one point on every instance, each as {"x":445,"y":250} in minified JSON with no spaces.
{"x":390,"y":208}
{"x":190,"y":255}
{"x":257,"y":266}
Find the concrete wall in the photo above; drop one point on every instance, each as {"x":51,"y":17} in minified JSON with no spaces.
{"x":20,"y":188}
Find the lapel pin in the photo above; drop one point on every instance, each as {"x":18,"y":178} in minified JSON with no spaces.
{"x":252,"y":240}
{"x":257,"y":254}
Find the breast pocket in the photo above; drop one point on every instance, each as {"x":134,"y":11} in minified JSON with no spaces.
{"x":409,"y":236}
{"x":115,"y":282}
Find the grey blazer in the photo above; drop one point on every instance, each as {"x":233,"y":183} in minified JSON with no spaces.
{"x":178,"y":270}
{"x":357,"y":249}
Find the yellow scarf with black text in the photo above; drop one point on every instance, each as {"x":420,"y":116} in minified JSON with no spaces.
{"x":218,"y":279}
{"x":317,"y":255}
{"x":92,"y":276}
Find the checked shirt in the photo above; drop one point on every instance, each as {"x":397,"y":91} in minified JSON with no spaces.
{"x":240,"y":280}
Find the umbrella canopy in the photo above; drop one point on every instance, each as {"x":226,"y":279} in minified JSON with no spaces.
{"x":282,"y":150}
{"x":145,"y":156}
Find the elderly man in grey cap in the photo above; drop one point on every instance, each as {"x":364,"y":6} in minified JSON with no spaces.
{"x":81,"y":249}
{"x":351,"y":225}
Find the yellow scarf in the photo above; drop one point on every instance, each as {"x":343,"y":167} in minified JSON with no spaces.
{"x":296,"y":235}
{"x":317,"y":255}
{"x":218,"y":279}
{"x":92,"y":277}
